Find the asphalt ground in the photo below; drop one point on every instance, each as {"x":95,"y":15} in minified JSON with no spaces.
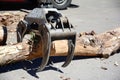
{"x":85,"y":15}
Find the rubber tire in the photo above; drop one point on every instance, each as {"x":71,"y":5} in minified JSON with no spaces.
{"x":63,"y":5}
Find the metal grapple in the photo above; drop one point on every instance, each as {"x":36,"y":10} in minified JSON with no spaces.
{"x":51,"y":26}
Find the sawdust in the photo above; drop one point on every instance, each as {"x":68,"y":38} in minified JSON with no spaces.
{"x":11,"y":18}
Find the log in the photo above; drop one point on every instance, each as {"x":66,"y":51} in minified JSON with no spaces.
{"x":101,"y":45}
{"x":87,"y":44}
{"x":8,"y":24}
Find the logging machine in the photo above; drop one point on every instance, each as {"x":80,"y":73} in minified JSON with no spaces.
{"x":51,"y":26}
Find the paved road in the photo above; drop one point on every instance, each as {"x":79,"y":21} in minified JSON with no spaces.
{"x":86,"y":15}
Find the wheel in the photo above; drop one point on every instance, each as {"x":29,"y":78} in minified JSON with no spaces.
{"x":61,"y":4}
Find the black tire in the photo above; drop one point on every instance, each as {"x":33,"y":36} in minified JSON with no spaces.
{"x":61,"y":5}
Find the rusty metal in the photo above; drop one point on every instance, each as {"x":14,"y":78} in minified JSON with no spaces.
{"x":51,"y":26}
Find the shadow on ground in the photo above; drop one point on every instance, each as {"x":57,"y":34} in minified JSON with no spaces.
{"x":73,"y":6}
{"x":28,"y":6}
{"x":32,"y":66}
{"x":17,"y":6}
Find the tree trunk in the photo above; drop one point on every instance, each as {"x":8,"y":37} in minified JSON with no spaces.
{"x":87,"y":44}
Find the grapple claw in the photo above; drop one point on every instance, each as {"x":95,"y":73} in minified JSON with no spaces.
{"x":52,"y":26}
{"x":46,"y":46}
{"x":71,"y":48}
